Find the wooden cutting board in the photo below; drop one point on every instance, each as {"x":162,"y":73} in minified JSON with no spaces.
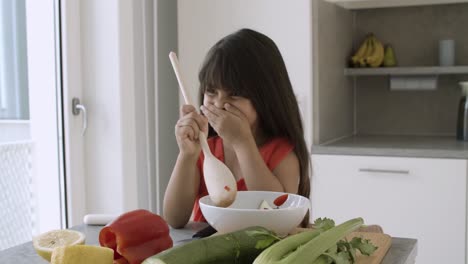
{"x":381,"y":240}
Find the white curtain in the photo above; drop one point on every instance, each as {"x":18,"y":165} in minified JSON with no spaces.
{"x":14,"y":103}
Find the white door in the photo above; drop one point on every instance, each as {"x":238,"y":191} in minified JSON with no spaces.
{"x":109,"y":63}
{"x":74,"y":125}
{"x":31,"y":167}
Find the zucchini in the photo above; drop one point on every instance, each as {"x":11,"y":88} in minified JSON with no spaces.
{"x":242,"y":246}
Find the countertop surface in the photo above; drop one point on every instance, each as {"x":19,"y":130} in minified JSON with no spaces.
{"x":402,"y":251}
{"x":396,"y":146}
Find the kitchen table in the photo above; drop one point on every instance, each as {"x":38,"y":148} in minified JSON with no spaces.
{"x":402,"y":251}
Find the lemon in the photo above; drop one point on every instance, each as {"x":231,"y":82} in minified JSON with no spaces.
{"x":79,"y":254}
{"x":46,"y":242}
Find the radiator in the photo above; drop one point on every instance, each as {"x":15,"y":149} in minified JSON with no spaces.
{"x":18,"y":221}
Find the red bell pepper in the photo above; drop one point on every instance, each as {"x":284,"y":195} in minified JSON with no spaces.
{"x":135,"y":236}
{"x":280,"y":200}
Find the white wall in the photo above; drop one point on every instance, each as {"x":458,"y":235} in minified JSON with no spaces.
{"x":288,"y":23}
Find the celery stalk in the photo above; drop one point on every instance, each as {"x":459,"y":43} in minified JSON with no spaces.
{"x":306,"y":247}
{"x":288,"y":245}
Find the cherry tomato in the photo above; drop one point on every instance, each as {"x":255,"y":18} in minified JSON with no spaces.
{"x":280,"y":199}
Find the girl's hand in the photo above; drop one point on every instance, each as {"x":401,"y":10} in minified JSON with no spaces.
{"x":187,"y":130}
{"x":230,"y":124}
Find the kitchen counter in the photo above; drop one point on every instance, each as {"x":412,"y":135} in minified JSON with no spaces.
{"x":397,"y":146}
{"x":402,"y":251}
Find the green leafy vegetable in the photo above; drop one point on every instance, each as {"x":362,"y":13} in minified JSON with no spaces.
{"x":324,"y":223}
{"x":344,"y":252}
{"x":364,"y":245}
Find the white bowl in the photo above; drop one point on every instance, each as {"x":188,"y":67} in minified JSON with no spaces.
{"x":245,"y":212}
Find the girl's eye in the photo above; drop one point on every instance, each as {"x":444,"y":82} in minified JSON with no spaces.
{"x":234,"y":96}
{"x":209,"y":93}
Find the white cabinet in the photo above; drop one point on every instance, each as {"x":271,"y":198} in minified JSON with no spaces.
{"x":409,"y":197}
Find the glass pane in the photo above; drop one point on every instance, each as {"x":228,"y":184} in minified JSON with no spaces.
{"x":23,"y":146}
{"x":13,"y":61}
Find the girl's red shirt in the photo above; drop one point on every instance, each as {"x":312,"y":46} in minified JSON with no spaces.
{"x":272,"y":152}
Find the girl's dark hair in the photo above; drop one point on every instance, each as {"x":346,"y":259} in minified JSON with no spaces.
{"x":249,"y":64}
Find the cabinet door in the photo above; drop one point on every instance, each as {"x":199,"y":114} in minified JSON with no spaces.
{"x":409,"y":197}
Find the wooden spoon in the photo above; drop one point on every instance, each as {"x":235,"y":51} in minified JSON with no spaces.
{"x":220,"y":182}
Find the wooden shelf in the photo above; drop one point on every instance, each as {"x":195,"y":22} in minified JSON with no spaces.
{"x":435,"y":70}
{"x":365,"y":4}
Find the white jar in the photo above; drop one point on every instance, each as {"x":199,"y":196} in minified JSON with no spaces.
{"x":447,"y":52}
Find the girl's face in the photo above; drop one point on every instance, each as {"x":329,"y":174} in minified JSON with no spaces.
{"x":219,"y":97}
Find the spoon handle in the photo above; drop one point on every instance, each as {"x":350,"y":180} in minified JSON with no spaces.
{"x":204,"y":145}
{"x":187,"y":98}
{"x":175,"y":65}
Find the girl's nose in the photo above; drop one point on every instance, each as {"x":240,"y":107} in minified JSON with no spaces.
{"x":220,"y":100}
{"x":219,"y":103}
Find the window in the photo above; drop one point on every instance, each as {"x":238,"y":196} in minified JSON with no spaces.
{"x":30,"y":152}
{"x":13,"y":61}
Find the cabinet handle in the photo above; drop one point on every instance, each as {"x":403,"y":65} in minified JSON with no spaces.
{"x":384,"y":171}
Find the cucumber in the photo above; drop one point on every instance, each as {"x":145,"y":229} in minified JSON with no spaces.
{"x":242,"y":246}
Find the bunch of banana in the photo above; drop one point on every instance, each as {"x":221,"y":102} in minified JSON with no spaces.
{"x":369,"y":54}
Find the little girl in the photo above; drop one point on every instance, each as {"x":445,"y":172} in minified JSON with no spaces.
{"x":253,"y":122}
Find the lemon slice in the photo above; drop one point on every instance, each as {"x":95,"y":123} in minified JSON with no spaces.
{"x":79,"y":254}
{"x":46,"y":242}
